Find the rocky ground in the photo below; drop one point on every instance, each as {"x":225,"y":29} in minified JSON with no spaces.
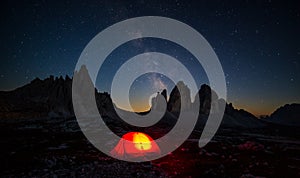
{"x":56,"y":147}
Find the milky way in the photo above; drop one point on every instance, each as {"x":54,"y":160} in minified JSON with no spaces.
{"x":257,"y":43}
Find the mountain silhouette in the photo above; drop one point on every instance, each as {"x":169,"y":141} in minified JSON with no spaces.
{"x":52,"y":97}
{"x":288,"y":114}
{"x":207,"y":97}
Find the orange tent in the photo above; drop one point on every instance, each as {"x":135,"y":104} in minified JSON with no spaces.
{"x":135,"y":144}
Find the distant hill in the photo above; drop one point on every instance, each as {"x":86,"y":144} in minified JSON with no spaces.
{"x":288,"y":114}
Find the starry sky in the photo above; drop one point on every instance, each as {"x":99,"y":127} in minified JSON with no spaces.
{"x":257,"y":42}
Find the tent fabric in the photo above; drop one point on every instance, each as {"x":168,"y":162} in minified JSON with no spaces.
{"x":135,"y":144}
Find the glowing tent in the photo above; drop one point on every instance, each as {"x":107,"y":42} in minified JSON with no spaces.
{"x":135,"y":144}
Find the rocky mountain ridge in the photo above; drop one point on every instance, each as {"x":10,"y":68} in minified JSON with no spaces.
{"x":52,"y":97}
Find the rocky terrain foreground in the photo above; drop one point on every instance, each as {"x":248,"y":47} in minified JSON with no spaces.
{"x":56,"y":147}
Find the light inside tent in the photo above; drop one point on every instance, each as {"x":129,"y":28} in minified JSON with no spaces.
{"x":141,"y":141}
{"x":135,"y":144}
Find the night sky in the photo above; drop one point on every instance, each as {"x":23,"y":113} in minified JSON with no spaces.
{"x":257,"y":42}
